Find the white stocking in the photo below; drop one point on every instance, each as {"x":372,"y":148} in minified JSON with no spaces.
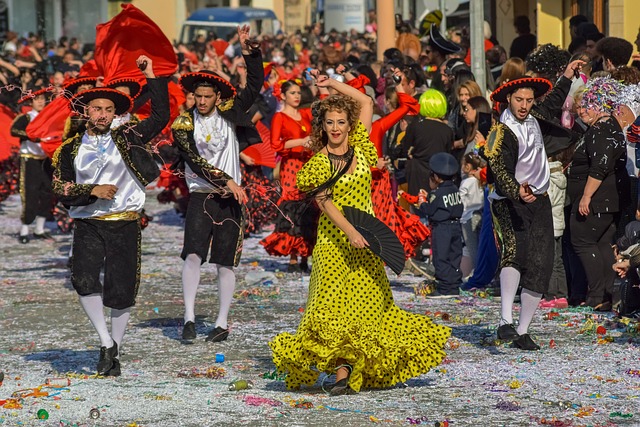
{"x":93,"y":306}
{"x":40,"y":220}
{"x":226,"y":287}
{"x":190,"y":282}
{"x":119,"y":320}
{"x":509,"y":281}
{"x":529,"y":302}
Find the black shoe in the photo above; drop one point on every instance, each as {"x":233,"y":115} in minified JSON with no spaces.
{"x":341,"y":388}
{"x":603,"y":307}
{"x":507,"y":333}
{"x":217,"y":335}
{"x":43,"y":236}
{"x":115,"y":370}
{"x":107,"y":358}
{"x":438,"y":295}
{"x":189,"y":331}
{"x":293,"y":268}
{"x":304,"y":266}
{"x":23,"y":239}
{"x":524,"y":342}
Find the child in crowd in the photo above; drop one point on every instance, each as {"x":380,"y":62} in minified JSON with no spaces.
{"x":443,"y":207}
{"x":557,"y":295}
{"x":472,"y":195}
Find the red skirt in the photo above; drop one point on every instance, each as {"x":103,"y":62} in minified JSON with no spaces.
{"x":405,"y":225}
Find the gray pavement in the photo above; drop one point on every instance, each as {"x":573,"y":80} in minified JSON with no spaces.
{"x":579,"y":378}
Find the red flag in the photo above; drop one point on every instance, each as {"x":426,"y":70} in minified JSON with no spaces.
{"x":48,"y":126}
{"x":90,"y":69}
{"x":8,"y":143}
{"x":128,"y":35}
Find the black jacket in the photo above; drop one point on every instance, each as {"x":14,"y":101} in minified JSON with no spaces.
{"x":130,"y":143}
{"x":501,"y":148}
{"x":246,"y":131}
{"x":444,"y":203}
{"x":601,"y":154}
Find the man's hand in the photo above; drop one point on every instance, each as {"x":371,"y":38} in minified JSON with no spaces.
{"x":526,"y":194}
{"x":148,"y":68}
{"x":622,"y":267}
{"x":104,"y":191}
{"x":573,"y":69}
{"x":243,"y":38}
{"x":237,"y":191}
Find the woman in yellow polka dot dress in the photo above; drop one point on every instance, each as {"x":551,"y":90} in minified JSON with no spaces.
{"x":351,"y":325}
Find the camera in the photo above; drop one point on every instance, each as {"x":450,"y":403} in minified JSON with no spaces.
{"x":397,"y":78}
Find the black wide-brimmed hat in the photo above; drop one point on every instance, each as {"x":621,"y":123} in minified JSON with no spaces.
{"x":132,"y":84}
{"x":74,"y":84}
{"x":444,"y":164}
{"x":189,"y":80}
{"x":121,"y":100}
{"x":437,"y":41}
{"x":539,"y":85}
{"x":32,"y":94}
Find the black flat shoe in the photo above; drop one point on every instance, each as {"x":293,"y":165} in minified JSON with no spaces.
{"x":605,"y":306}
{"x":304,"y":267}
{"x":217,"y":335}
{"x":524,"y":342}
{"x":189,"y":331}
{"x":341,"y":388}
{"x":507,"y":332}
{"x":43,"y":236}
{"x":107,"y":359}
{"x":23,"y":239}
{"x":115,"y":370}
{"x":293,"y":268}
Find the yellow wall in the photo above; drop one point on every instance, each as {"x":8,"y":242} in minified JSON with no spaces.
{"x":165,"y":16}
{"x":631,"y":14}
{"x":550,"y":24}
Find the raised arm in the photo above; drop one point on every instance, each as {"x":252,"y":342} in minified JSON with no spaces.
{"x":159,"y":91}
{"x":366,"y":103}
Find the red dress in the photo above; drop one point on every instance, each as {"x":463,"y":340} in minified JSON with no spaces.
{"x":295,"y":226}
{"x":405,"y":225}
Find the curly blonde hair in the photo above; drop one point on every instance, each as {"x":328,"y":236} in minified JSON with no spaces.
{"x":319,"y":109}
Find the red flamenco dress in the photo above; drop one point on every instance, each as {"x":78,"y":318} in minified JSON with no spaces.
{"x":405,"y":225}
{"x":295,"y":226}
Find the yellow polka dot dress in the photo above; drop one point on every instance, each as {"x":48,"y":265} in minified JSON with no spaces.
{"x":350,"y":312}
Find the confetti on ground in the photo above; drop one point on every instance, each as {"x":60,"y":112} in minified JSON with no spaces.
{"x":587,"y":373}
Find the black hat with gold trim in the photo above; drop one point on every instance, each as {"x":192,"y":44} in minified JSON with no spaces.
{"x":539,"y":85}
{"x":30,"y":95}
{"x":134,"y":86}
{"x":121,"y":100}
{"x":74,"y":84}
{"x":191,"y":81}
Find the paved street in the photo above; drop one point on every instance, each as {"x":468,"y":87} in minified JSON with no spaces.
{"x":579,"y":377}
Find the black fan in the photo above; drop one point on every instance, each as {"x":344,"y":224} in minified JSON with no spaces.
{"x":382,"y":240}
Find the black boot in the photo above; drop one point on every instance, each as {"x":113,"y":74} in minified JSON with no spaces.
{"x":107,"y":358}
{"x":115,"y":370}
{"x":217,"y":335}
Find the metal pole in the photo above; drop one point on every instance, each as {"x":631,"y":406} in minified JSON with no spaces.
{"x":478,"y":63}
{"x":443,"y":24}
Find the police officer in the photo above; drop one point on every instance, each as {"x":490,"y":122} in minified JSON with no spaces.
{"x":443,"y":207}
